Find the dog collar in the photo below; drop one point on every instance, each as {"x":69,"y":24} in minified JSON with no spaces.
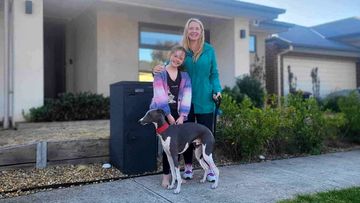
{"x":162,"y":128}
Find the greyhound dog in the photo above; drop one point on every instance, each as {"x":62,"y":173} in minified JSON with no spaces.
{"x":175,"y":139}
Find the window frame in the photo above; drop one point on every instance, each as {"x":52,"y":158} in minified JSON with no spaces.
{"x":151,"y":26}
{"x":255,"y":43}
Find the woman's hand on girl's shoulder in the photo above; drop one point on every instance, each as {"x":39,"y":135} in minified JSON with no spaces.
{"x":158,"y":69}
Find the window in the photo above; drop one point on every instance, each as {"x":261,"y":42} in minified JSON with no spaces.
{"x":252,"y":44}
{"x":155,"y":42}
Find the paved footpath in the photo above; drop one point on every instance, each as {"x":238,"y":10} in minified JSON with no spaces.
{"x":258,"y":182}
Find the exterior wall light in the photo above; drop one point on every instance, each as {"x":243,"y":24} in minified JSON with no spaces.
{"x":242,"y":34}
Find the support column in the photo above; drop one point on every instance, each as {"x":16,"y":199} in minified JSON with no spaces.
{"x":232,"y":51}
{"x":242,"y":54}
{"x":27,"y":71}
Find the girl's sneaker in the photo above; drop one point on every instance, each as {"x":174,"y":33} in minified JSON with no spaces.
{"x":211,"y":176}
{"x":188,"y":173}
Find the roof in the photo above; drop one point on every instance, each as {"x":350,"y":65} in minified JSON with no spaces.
{"x":300,"y":36}
{"x":340,"y":28}
{"x":221,"y":8}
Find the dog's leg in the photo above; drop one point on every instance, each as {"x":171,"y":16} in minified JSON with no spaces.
{"x":179,"y":180}
{"x":209,"y":160}
{"x":176,"y":169}
{"x":172,"y":169}
{"x":198,"y":153}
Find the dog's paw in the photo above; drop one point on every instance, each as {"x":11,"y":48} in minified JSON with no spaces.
{"x":177,"y":191}
{"x":214,"y":186}
{"x":169,"y":187}
{"x":202,"y":180}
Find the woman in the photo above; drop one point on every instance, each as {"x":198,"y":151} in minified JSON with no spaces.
{"x":200,"y":64}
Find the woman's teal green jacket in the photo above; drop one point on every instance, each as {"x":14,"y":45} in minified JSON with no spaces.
{"x":204,"y":79}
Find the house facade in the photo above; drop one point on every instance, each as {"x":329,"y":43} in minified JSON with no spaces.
{"x":49,"y":47}
{"x":331,"y":52}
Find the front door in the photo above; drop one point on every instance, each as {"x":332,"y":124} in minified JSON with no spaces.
{"x":54,"y":58}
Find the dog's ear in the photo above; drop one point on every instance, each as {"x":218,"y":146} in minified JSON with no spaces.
{"x":161,"y":111}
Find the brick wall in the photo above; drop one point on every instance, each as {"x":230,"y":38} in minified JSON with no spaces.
{"x":271,"y":52}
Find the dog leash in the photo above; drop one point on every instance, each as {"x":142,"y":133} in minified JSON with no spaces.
{"x":217,"y":102}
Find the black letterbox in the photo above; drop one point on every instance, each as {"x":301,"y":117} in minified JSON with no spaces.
{"x":133,"y":147}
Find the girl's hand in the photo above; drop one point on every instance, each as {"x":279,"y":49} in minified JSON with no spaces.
{"x":158,"y":69}
{"x":180,"y":120}
{"x":171,"y":119}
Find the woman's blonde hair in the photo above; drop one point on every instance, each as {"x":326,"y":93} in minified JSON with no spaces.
{"x":185,"y":39}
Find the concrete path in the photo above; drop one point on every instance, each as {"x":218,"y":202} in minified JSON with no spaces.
{"x":259,"y":182}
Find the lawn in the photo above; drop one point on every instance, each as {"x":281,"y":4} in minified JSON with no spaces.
{"x":336,"y":196}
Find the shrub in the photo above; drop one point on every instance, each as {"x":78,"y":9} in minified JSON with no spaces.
{"x":331,"y":103}
{"x":307,"y":124}
{"x":247,"y":86}
{"x":69,"y":106}
{"x":298,"y":126}
{"x":243,"y":129}
{"x":350,"y":106}
{"x":334,"y":122}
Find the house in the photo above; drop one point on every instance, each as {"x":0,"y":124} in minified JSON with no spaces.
{"x":332,"y":49}
{"x":49,"y":47}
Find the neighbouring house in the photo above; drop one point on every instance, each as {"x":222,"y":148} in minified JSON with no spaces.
{"x":331,"y":48}
{"x":49,"y":47}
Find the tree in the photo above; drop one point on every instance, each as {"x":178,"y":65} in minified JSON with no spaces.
{"x":315,"y":82}
{"x":292,"y":80}
{"x":257,"y":70}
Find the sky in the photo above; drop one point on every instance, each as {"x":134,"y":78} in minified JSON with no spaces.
{"x":312,"y":12}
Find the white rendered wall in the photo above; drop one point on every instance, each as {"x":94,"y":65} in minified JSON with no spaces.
{"x":116,"y":43}
{"x":242,"y":58}
{"x":28,"y":58}
{"x":232,"y":51}
{"x":222,"y":38}
{"x":117,"y":39}
{"x":85,"y":56}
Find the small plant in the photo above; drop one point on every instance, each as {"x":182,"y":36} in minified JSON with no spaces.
{"x":247,"y":86}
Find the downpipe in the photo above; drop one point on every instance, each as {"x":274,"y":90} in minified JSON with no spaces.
{"x":6,"y":65}
{"x":279,"y":65}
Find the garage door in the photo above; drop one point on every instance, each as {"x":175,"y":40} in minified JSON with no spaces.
{"x":334,"y":74}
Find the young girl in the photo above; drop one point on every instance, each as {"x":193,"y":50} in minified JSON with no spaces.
{"x":172,"y":94}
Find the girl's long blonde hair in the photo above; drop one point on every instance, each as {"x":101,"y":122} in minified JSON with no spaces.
{"x":201,"y":40}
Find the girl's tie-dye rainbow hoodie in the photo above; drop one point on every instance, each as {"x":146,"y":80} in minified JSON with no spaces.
{"x":161,"y":89}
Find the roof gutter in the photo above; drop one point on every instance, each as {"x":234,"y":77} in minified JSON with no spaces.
{"x":279,"y":66}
